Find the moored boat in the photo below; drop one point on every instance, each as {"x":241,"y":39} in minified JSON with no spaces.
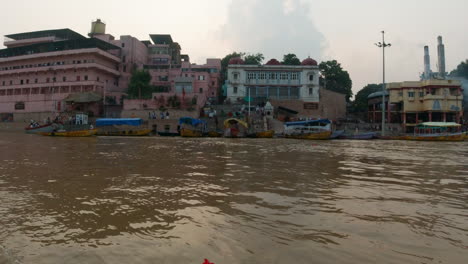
{"x":74,"y":133}
{"x":168,"y":134}
{"x":37,"y":129}
{"x":359,"y":136}
{"x":192,"y":127}
{"x":335,"y":134}
{"x":235,"y":128}
{"x":121,"y":127}
{"x":265,"y":134}
{"x":214,"y":134}
{"x":436,"y":131}
{"x":311,"y":129}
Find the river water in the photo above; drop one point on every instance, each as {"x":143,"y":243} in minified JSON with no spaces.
{"x":176,"y":200}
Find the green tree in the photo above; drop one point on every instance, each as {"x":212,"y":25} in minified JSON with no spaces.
{"x":291,"y":59}
{"x":360,"y":100}
{"x":139,"y":86}
{"x":254,"y":59}
{"x":461,"y":70}
{"x":336,"y":79}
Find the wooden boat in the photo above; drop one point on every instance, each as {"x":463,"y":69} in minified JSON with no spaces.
{"x":168,"y":134}
{"x":466,"y":135}
{"x":233,"y":126}
{"x":192,"y":127}
{"x":121,"y":127}
{"x":262,"y":134}
{"x":311,"y":129}
{"x":214,"y":134}
{"x":359,"y":136}
{"x":135,"y":133}
{"x":76,"y":133}
{"x":185,"y":132}
{"x":437,"y":131}
{"x":335,"y":134}
{"x":37,"y":129}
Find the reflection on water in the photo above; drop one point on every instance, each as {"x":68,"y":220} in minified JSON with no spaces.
{"x":174,"y":200}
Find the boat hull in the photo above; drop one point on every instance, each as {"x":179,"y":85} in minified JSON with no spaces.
{"x":184,"y":132}
{"x":452,"y":137}
{"x":361,"y":136}
{"x":265,"y":134}
{"x":35,"y":130}
{"x":313,"y":136}
{"x":168,"y":134}
{"x":77,"y":133}
{"x":214,"y":134}
{"x":132,"y":133}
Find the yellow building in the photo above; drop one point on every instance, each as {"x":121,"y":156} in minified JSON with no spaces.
{"x":424,"y":101}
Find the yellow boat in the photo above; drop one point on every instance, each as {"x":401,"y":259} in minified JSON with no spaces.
{"x":265,"y":134}
{"x":76,"y":133}
{"x":185,"y":132}
{"x":316,"y":135}
{"x":214,"y":134}
{"x":437,"y":131}
{"x":309,"y":129}
{"x":466,"y":135}
{"x":134,"y":133}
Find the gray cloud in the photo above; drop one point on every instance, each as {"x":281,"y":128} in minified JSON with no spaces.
{"x":272,"y":27}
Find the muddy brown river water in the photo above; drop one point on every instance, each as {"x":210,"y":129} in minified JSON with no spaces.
{"x":176,"y":200}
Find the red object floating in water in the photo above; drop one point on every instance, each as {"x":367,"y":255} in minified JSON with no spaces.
{"x":207,"y":262}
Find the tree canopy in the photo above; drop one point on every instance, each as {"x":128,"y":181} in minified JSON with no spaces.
{"x":254,"y":59}
{"x":291,"y":59}
{"x":336,"y":79}
{"x":461,"y":70}
{"x":360,"y":100}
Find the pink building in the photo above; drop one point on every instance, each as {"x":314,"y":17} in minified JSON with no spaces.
{"x":61,"y":70}
{"x":42,"y":71}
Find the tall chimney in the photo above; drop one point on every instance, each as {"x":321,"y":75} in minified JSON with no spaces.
{"x":441,"y":58}
{"x":427,"y":64}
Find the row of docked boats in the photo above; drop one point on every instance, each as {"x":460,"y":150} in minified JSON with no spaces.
{"x":320,"y":129}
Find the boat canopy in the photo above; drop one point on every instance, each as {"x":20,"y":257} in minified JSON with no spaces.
{"x":308,"y":123}
{"x":231,"y":121}
{"x":438,"y":124}
{"x":118,"y":121}
{"x":190,"y":121}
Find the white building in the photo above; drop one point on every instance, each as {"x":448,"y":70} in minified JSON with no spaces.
{"x":273,"y":81}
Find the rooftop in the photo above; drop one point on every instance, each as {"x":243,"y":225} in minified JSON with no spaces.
{"x":64,"y":33}
{"x":161,"y":38}
{"x":73,"y":44}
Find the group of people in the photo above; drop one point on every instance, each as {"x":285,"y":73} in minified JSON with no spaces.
{"x":162,"y":115}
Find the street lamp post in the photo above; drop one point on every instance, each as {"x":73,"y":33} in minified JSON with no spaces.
{"x":383,"y":45}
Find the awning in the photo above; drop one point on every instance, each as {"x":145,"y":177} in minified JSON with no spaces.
{"x":288,"y":110}
{"x":232,"y":121}
{"x":85,"y":97}
{"x":118,"y":121}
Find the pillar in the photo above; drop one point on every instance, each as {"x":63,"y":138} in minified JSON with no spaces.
{"x":417,"y":117}
{"x":430,"y":116}
{"x":445,"y":117}
{"x":373,"y":114}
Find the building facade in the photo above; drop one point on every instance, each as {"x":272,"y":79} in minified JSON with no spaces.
{"x":40,"y":70}
{"x":410,"y":103}
{"x":273,"y":81}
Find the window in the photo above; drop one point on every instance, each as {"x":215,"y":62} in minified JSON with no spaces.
{"x":54,"y":79}
{"x":123,"y":45}
{"x":262,"y":76}
{"x":311,"y":90}
{"x":19,"y":106}
{"x":64,"y":78}
{"x":21,"y":82}
{"x":35,"y":80}
{"x":293,"y":76}
{"x":421,"y":94}
{"x":311,"y":77}
{"x":235,"y":90}
{"x":201,"y":90}
{"x":27,"y":81}
{"x":86,"y":77}
{"x":283,"y":76}
{"x":251,"y":76}
{"x":213,"y":83}
{"x":410,"y":94}
{"x":3,"y":83}
{"x":124,"y":58}
{"x":125,"y":68}
{"x":201,"y":77}
{"x":272,"y":76}
{"x":236,"y":75}
{"x":11,"y":82}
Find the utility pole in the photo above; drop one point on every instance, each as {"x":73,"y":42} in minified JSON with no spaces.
{"x":383,"y":45}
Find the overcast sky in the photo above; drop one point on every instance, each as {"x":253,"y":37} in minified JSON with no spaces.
{"x":345,"y":30}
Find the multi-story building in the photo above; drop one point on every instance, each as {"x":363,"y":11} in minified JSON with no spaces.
{"x":39,"y":71}
{"x":290,"y":88}
{"x":424,"y":101}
